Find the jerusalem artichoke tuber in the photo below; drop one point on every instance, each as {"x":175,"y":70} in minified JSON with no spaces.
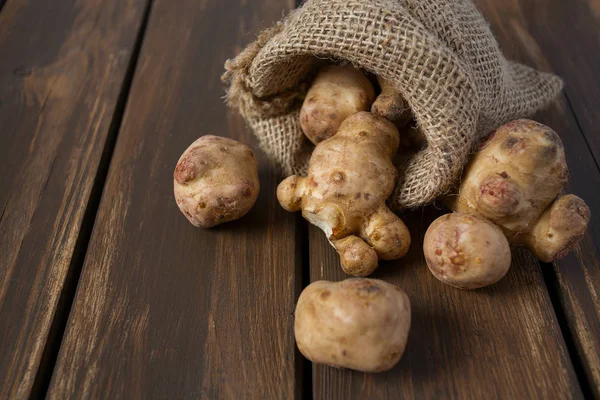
{"x":350,"y":176}
{"x":358,"y":323}
{"x":559,"y":228}
{"x":513,"y":179}
{"x":215,"y":181}
{"x":466,"y":251}
{"x":391,"y":105}
{"x":336,"y":93}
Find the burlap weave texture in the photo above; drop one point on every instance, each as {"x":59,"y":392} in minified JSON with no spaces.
{"x":440,"y":54}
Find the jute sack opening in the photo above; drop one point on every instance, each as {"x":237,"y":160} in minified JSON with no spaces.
{"x":440,"y":54}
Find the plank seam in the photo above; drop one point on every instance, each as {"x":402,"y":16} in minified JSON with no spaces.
{"x":550,"y":277}
{"x":306,"y":378}
{"x":57,"y":329}
{"x":3,"y":211}
{"x":580,"y":128}
{"x":306,"y":387}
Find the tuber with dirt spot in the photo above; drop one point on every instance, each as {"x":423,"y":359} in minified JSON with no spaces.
{"x":350,"y":176}
{"x":336,"y":93}
{"x":215,"y":181}
{"x":466,"y":251}
{"x":359,"y":323}
{"x":514,"y":181}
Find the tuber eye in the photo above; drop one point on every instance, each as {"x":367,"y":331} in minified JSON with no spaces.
{"x":338,"y":176}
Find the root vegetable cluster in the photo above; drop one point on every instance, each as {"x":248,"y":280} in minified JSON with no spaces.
{"x":511,"y":194}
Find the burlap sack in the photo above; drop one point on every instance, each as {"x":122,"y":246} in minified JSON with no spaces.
{"x":440,"y":54}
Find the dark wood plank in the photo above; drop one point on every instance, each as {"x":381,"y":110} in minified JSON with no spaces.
{"x":564,"y":50}
{"x":495,"y":343}
{"x":62,"y":68}
{"x":163,"y":309}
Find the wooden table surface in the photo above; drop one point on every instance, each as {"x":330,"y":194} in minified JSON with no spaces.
{"x":106,"y":291}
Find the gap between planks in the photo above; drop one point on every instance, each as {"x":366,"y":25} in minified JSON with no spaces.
{"x":307,"y":365}
{"x":580,"y":129}
{"x":553,"y":287}
{"x":304,"y":378}
{"x":67,"y":295}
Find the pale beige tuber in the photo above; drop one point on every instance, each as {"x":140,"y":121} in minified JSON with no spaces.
{"x":514,"y":181}
{"x":336,"y":93}
{"x":391,"y":104}
{"x":359,"y":323}
{"x":466,"y":251}
{"x":350,"y":176}
{"x":215,"y":181}
{"x":559,"y":228}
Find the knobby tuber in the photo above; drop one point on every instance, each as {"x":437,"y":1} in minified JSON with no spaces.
{"x":514,"y":181}
{"x":359,"y":323}
{"x":466,"y":251}
{"x":350,"y":176}
{"x":559,"y":228}
{"x":215,"y":181}
{"x":336,"y":93}
{"x":391,"y":104}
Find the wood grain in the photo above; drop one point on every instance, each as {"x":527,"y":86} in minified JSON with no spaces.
{"x":495,"y":343}
{"x":577,"y":277}
{"x":62,"y":69}
{"x":163,"y":309}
